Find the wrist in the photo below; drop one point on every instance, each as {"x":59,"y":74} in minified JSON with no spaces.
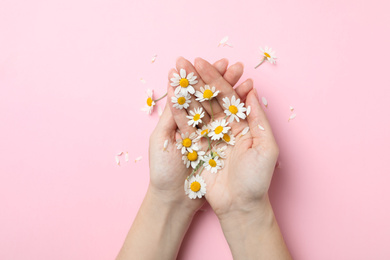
{"x":170,"y":201}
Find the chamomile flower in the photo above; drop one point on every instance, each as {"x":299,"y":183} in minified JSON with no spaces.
{"x":195,"y":187}
{"x":206,"y":93}
{"x":229,"y":138}
{"x":234,"y":109}
{"x":220,"y":152}
{"x":212,"y":164}
{"x":196,"y":116}
{"x":148,"y":108}
{"x":181,"y":101}
{"x":202,"y":132}
{"x":184,"y":82}
{"x":193,"y":158}
{"x":218,"y":129}
{"x":268,"y":55}
{"x":186,"y":143}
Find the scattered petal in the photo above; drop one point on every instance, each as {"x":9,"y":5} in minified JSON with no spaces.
{"x":139,"y":158}
{"x":245,"y":131}
{"x":292,"y":117}
{"x":118,"y":162}
{"x":127,"y":156}
{"x":223,"y":41}
{"x":262,"y":128}
{"x":143,"y":81}
{"x":265,"y":102}
{"x":159,"y":111}
{"x":165,"y":145}
{"x":119,"y":154}
{"x":248,"y":110}
{"x":291,"y":108}
{"x":154,"y":58}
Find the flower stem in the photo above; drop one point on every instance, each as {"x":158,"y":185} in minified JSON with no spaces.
{"x":261,"y":62}
{"x":161,"y":97}
{"x":212,"y":113}
{"x":208,"y":139}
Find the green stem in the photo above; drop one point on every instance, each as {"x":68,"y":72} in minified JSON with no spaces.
{"x":161,"y":97}
{"x":208,"y":139}
{"x":261,"y":62}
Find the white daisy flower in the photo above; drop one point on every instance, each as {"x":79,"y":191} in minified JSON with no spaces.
{"x":218,"y":129}
{"x":268,"y":54}
{"x":196,"y":116}
{"x":193,"y":158}
{"x":184,"y":82}
{"x":195,"y":187}
{"x":186,"y":143}
{"x":234,"y":109}
{"x":181,"y":101}
{"x":212,"y":164}
{"x":202,"y":132}
{"x":206,"y":93}
{"x":229,"y":138}
{"x":220,"y":152}
{"x":148,"y":108}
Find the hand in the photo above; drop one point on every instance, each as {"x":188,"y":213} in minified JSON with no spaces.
{"x":244,"y":181}
{"x":167,"y":170}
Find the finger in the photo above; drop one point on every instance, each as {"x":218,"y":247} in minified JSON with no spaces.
{"x":166,"y":124}
{"x":179,"y":115}
{"x":244,"y":88}
{"x":194,"y":103}
{"x":234,"y":73}
{"x":182,"y":63}
{"x":259,"y":126}
{"x":211,"y":77}
{"x":221,"y":65}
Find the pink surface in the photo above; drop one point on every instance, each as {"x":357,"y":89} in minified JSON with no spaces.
{"x":70,"y":99}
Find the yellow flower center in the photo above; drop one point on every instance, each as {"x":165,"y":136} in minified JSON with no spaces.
{"x":181,"y":100}
{"x":206,"y":131}
{"x":233,"y":109}
{"x":195,"y":186}
{"x":192,"y":156}
{"x":267,"y":55}
{"x":207,"y":94}
{"x":218,"y":129}
{"x":226,"y":137}
{"x":196,"y":117}
{"x":187,"y":142}
{"x":149,"y":101}
{"x":184,"y":83}
{"x":212,"y":163}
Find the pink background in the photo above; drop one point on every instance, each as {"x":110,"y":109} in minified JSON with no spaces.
{"x":70,"y":99}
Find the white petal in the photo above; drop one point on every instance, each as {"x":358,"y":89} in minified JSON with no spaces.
{"x":127,"y":156}
{"x":262,"y":128}
{"x":265,"y":102}
{"x":165,"y":145}
{"x":139,"y":158}
{"x":118,"y":162}
{"x":224,"y":40}
{"x":119,"y":154}
{"x":183,"y":73}
{"x":176,"y":76}
{"x":245,"y":131}
{"x":159,"y":110}
{"x":190,"y":75}
{"x":291,"y":108}
{"x":292,"y":117}
{"x":177,"y":90}
{"x":154,"y":58}
{"x":248,"y":110}
{"x":143,"y":81}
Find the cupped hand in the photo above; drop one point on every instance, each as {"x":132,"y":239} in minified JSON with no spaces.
{"x":242,"y":184}
{"x":167,"y":170}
